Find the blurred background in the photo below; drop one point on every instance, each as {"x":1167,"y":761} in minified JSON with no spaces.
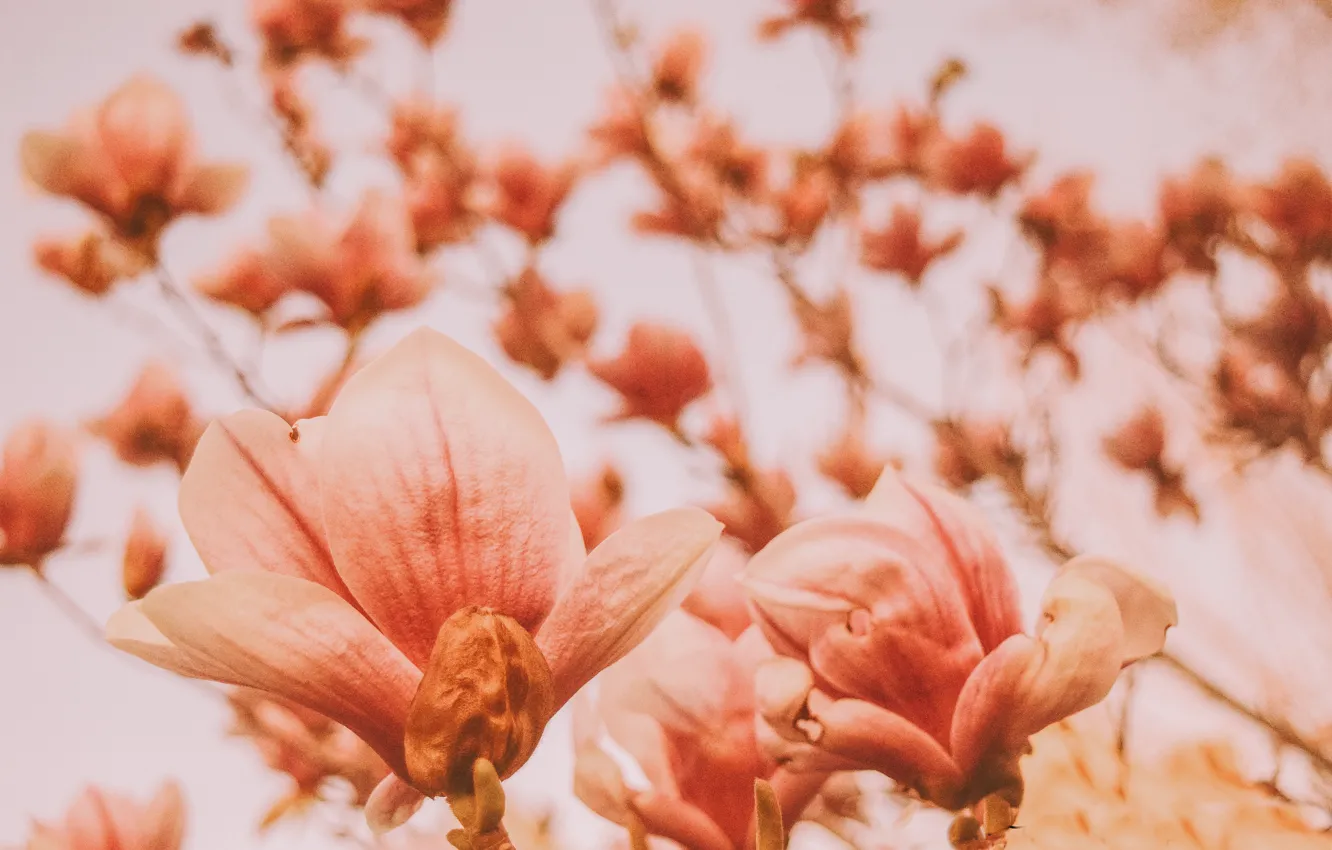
{"x":1131,"y":90}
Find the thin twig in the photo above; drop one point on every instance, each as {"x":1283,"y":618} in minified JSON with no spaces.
{"x":72,"y":611}
{"x":191,"y":316}
{"x":723,"y":333}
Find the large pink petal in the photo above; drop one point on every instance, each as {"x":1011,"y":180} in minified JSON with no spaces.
{"x":939,"y":518}
{"x":630,"y":582}
{"x":871,"y":606}
{"x":296,"y":639}
{"x":442,"y":487}
{"x":250,"y":499}
{"x":1146,"y":608}
{"x":1028,"y":683}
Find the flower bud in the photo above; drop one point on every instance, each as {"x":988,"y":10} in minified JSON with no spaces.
{"x":37,"y":482}
{"x":145,"y":556}
{"x":486,"y":693}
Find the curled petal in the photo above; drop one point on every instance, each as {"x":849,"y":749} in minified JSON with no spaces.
{"x":629,"y":583}
{"x":442,"y":487}
{"x":296,"y":639}
{"x":1146,"y":607}
{"x":1028,"y":683}
{"x":675,"y":820}
{"x":250,"y":500}
{"x":781,"y":689}
{"x":391,"y":804}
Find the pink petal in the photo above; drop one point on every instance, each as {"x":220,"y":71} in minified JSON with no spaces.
{"x":630,"y":582}
{"x":145,"y":132}
{"x":598,"y":781}
{"x":675,"y":820}
{"x":1027,"y":684}
{"x":937,"y":517}
{"x":213,"y":189}
{"x":296,"y":639}
{"x":442,"y":488}
{"x":250,"y":500}
{"x":131,"y":631}
{"x":391,"y":804}
{"x":873,"y":608}
{"x":1146,"y":607}
{"x":823,"y":734}
{"x":720,"y":597}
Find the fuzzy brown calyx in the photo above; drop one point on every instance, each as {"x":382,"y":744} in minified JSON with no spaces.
{"x":486,"y":694}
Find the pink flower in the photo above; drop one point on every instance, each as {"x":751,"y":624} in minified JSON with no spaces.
{"x":408,"y":566}
{"x":358,"y":269}
{"x":132,"y":160}
{"x":101,"y":820}
{"x":144,"y":559}
{"x":38,"y":477}
{"x":155,"y":421}
{"x":682,"y":705}
{"x":899,"y":627}
{"x":429,"y":19}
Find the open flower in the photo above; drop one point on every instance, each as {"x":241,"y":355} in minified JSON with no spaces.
{"x":899,"y":627}
{"x":37,"y":482}
{"x":154,"y":422}
{"x":101,"y":820}
{"x":132,"y":160}
{"x":659,"y":373}
{"x":408,"y":566}
{"x":682,"y":704}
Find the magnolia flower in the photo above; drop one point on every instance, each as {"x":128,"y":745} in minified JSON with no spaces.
{"x":294,"y":29}
{"x":542,"y":327}
{"x":899,"y":627}
{"x":154,"y":422}
{"x":37,"y":482}
{"x":528,"y":194}
{"x":677,"y":66}
{"x":359,"y":269}
{"x":899,"y":246}
{"x":132,"y":160}
{"x":144,"y":559}
{"x":101,"y":820}
{"x":408,"y":566}
{"x":427,"y":18}
{"x":682,"y":705}
{"x":660,"y":372}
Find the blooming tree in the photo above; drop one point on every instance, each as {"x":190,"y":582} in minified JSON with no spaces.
{"x":405,"y":584}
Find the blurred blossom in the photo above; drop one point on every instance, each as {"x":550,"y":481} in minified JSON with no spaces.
{"x":92,"y":262}
{"x":38,"y":477}
{"x":967,"y":451}
{"x":597,"y":504}
{"x":839,"y":19}
{"x":439,"y":172}
{"x":428,"y":19}
{"x":144,"y":560}
{"x":826,"y":329}
{"x":803,"y":204}
{"x":978,"y":163}
{"x":293,"y":30}
{"x":898,"y":627}
{"x":543,"y":328}
{"x":659,"y":373}
{"x":739,"y":167}
{"x":132,"y":160}
{"x":900,"y":247}
{"x":1196,"y":210}
{"x":1043,"y":321}
{"x":311,"y":749}
{"x":396,"y":563}
{"x":851,"y":463}
{"x":358,"y":270}
{"x":529,"y":195}
{"x":682,"y":704}
{"x":621,"y":130}
{"x":1297,"y":206}
{"x":103,"y":820}
{"x":677,"y":66}
{"x":758,"y":502}
{"x":1139,"y":446}
{"x":201,"y":39}
{"x":154,"y":422}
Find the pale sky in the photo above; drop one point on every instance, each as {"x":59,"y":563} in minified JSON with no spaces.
{"x":1092,"y":83}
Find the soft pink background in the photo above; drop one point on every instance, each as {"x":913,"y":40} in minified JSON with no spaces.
{"x":1093,"y":84}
